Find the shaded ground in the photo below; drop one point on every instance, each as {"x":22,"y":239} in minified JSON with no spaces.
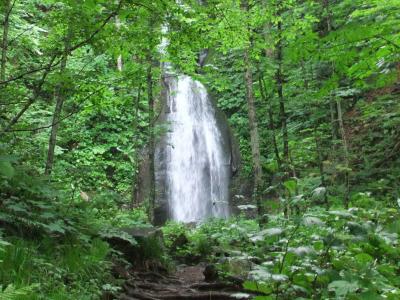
{"x":186,"y":283}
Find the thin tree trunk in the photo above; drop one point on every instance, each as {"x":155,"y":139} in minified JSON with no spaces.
{"x":151,"y":145}
{"x":320,"y":161}
{"x":252,"y":115}
{"x":119,"y":63}
{"x":264,"y":95}
{"x":60,"y":98}
{"x":332,"y":105}
{"x":346,"y":153}
{"x":254,"y":136}
{"x":119,"y":59}
{"x":271,"y":121}
{"x":272,"y":128}
{"x":280,"y":81}
{"x":135,"y":186}
{"x":304,"y":71}
{"x":4,"y":43}
{"x":334,"y":127}
{"x":328,"y":16}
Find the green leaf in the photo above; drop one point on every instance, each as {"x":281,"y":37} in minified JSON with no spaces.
{"x":13,"y":293}
{"x":302,"y":250}
{"x":310,"y":221}
{"x":99,"y":150}
{"x":17,"y":207}
{"x":6,"y":169}
{"x":343,"y":288}
{"x":109,"y":233}
{"x":257,"y":287}
{"x":364,"y":258}
{"x":56,"y":227}
{"x":291,"y":186}
{"x":266,"y":233}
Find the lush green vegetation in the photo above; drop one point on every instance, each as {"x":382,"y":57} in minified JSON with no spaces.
{"x":310,"y":88}
{"x":336,"y":254}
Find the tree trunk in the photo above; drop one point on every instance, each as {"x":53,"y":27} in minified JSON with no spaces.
{"x":271,"y":125}
{"x":60,"y":98}
{"x":254,"y":136}
{"x":252,"y":115}
{"x":271,"y":121}
{"x":320,"y":161}
{"x":119,"y":59}
{"x":346,"y":154}
{"x":136,"y":164}
{"x":327,"y":7}
{"x":151,"y":145}
{"x":332,"y":105}
{"x":4,"y":43}
{"x":334,"y":127}
{"x":280,"y":81}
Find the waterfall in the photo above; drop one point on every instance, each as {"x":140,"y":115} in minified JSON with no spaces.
{"x":197,"y":166}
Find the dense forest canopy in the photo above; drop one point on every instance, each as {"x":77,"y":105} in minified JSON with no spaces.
{"x":310,"y":89}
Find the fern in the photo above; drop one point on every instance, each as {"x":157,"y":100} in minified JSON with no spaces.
{"x":13,"y":293}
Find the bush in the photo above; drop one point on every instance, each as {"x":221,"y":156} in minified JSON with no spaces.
{"x":74,"y":270}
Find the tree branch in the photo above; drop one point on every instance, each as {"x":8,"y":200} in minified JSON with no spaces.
{"x":365,"y":39}
{"x":51,"y":65}
{"x":61,"y":119}
{"x":70,"y":50}
{"x":32,"y":99}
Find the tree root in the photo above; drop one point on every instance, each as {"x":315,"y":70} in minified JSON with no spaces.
{"x":201,"y":296}
{"x":216,"y":286}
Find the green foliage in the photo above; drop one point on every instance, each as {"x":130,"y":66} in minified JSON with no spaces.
{"x":333,"y":51}
{"x":207,"y":239}
{"x":12,"y":293}
{"x":51,"y":251}
{"x":337,"y":65}
{"x":335,"y":254}
{"x":31,"y":205}
{"x":172,"y":231}
{"x":33,"y":270}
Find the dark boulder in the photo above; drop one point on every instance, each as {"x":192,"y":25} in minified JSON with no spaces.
{"x":210,"y":273}
{"x":143,"y":247}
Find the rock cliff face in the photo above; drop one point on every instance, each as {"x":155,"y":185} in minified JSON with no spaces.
{"x":212,"y":183}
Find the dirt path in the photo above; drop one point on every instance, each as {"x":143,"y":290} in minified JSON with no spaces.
{"x":187,"y":283}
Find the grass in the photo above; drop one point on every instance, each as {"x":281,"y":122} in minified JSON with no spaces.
{"x":49,"y":269}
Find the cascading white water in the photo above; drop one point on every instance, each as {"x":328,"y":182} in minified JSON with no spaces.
{"x":197,"y":169}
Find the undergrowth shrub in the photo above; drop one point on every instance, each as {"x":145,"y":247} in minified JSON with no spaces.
{"x":73,"y":271}
{"x":214,"y":236}
{"x":51,"y":246}
{"x":319,"y":254}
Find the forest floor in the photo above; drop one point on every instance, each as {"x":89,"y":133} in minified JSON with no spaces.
{"x":187,"y":282}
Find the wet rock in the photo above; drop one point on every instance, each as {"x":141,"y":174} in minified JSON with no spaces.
{"x":108,"y":296}
{"x":143,"y":232}
{"x":147,"y":250}
{"x":210,"y":273}
{"x":120,"y":271}
{"x":248,"y":210}
{"x":238,"y":266}
{"x":180,"y":241}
